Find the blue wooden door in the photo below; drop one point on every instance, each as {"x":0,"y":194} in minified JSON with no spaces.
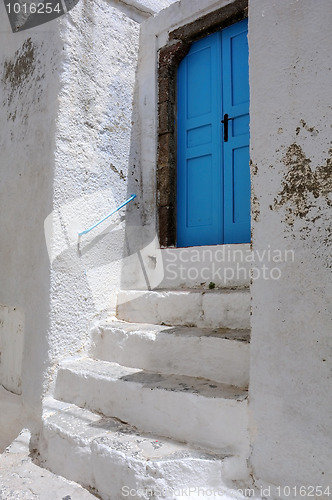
{"x":213,"y":181}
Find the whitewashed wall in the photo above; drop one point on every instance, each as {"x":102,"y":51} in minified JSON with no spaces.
{"x":69,"y":147}
{"x":95,"y":148}
{"x":29,"y":85}
{"x":290,"y":128}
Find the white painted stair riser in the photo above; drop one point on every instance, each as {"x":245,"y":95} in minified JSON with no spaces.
{"x":217,"y":355}
{"x":224,"y":265}
{"x":193,"y":410}
{"x":192,"y":267}
{"x":210,"y":309}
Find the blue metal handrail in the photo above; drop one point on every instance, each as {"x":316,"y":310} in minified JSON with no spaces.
{"x":107,"y":216}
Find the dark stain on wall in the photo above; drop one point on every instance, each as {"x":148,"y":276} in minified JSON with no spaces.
{"x":306,"y":196}
{"x":255,"y":205}
{"x":16,"y":72}
{"x":253,"y":168}
{"x":23,"y":85}
{"x":301,"y":181}
{"x":119,"y":173}
{"x":313,"y":131}
{"x":255,"y":208}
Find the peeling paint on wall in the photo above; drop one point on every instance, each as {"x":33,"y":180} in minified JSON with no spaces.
{"x":302,"y":184}
{"x":119,"y":173}
{"x":312,"y":130}
{"x":253,"y":168}
{"x":255,"y":208}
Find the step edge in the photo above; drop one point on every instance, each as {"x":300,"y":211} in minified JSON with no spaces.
{"x":146,"y":328}
{"x":189,"y":447}
{"x":71,"y":366}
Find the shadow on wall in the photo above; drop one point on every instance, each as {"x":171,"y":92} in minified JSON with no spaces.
{"x":142,"y":265}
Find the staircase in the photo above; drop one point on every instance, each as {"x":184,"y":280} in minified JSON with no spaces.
{"x":160,"y":406}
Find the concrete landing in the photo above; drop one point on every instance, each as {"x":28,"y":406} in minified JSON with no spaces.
{"x":20,"y":479}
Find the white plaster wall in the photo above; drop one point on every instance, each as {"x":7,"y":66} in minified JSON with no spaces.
{"x":147,"y":7}
{"x":152,"y":5}
{"x":291,"y":348}
{"x":95,"y":147}
{"x":29,"y":63}
{"x":68,"y":145}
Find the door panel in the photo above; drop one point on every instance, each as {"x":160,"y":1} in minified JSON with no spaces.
{"x":199,"y":66}
{"x":199,"y":173}
{"x":213,"y":182}
{"x":236,"y":150}
{"x":199,"y":188}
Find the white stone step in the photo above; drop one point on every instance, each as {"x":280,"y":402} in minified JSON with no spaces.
{"x":216,"y":354}
{"x":116,"y":461}
{"x":222,"y":308}
{"x":197,"y":411}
